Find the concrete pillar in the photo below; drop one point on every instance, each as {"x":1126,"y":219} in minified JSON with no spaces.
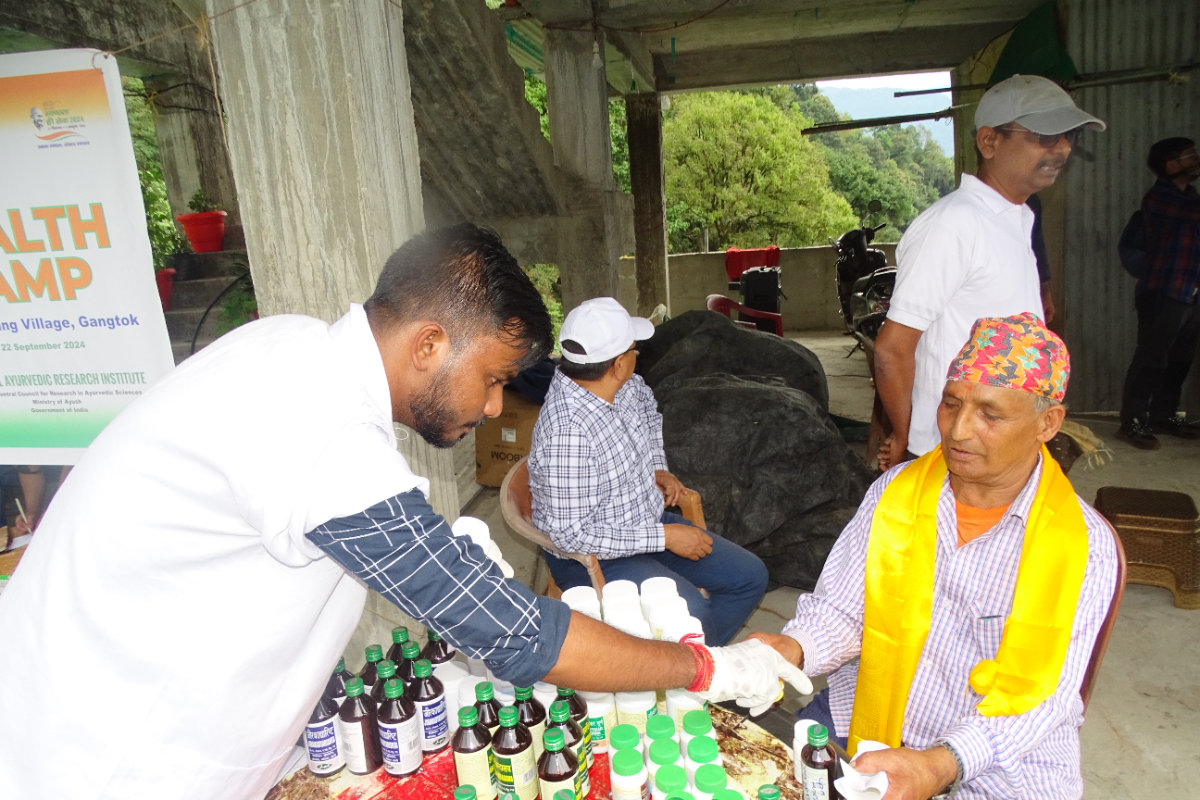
{"x":643,"y":116}
{"x":187,"y":124}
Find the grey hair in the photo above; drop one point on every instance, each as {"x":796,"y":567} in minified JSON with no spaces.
{"x":1042,"y":403}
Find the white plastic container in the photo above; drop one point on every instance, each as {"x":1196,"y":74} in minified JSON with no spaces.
{"x":700,"y":750}
{"x":476,"y":667}
{"x":453,"y":674}
{"x":634,"y":707}
{"x":620,"y":588}
{"x":582,"y":599}
{"x":602,"y":716}
{"x":710,"y":779}
{"x":657,"y":588}
{"x":503,"y":690}
{"x":676,"y":628}
{"x":545,"y":693}
{"x":630,"y":780}
{"x":679,"y":702}
{"x":666,"y":608}
{"x":622,"y":606}
{"x":695,"y":723}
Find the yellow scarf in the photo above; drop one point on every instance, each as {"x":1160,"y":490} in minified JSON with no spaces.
{"x":899,"y":600}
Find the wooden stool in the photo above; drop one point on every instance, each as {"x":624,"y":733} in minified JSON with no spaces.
{"x":1161,"y":535}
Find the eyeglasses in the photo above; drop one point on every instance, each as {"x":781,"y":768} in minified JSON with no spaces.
{"x":1048,"y":140}
{"x":633,"y":350}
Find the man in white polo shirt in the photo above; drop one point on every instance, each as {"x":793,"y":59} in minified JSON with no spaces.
{"x":969,"y":256}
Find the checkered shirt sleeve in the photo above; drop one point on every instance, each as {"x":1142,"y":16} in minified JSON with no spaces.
{"x":407,"y":553}
{"x":1172,"y":220}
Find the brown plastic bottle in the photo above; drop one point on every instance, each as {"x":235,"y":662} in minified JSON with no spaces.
{"x":429,"y":697}
{"x":359,"y":729}
{"x":321,"y":740}
{"x":335,"y":689}
{"x":472,"y":746}
{"x":399,"y":731}
{"x":369,"y":673}
{"x":560,"y":719}
{"x":819,"y":766}
{"x":410,"y":652}
{"x":399,"y":637}
{"x":516,"y":768}
{"x":385,"y":670}
{"x":532,"y":715}
{"x":488,"y":706}
{"x":579,"y":713}
{"x":437,"y":650}
{"x":558,"y":768}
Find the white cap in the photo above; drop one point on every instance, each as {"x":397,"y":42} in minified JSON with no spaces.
{"x":1036,"y":103}
{"x":579,"y":598}
{"x":603,"y":328}
{"x":620,"y":588}
{"x":659,"y":585}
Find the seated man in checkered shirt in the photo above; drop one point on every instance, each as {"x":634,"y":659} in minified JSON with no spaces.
{"x":600,"y":482}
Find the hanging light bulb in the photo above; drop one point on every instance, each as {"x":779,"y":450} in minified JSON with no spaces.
{"x":597,"y":63}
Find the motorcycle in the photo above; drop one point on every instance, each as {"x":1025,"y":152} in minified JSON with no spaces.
{"x":864,"y":282}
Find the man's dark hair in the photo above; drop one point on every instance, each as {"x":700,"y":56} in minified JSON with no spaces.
{"x":582,"y":372}
{"x":463,"y":278}
{"x":1166,"y":150}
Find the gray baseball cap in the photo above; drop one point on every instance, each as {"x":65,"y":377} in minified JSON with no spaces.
{"x":1034,"y":102}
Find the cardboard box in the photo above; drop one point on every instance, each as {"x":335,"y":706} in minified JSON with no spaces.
{"x":506,"y":439}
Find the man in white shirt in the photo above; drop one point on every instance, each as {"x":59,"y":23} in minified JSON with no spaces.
{"x":969,"y":255}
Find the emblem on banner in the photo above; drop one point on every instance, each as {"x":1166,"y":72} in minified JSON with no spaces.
{"x":57,"y":125}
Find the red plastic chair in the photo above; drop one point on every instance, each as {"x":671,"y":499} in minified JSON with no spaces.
{"x":723,"y":305}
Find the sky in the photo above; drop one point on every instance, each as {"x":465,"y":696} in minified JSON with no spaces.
{"x":864,"y":98}
{"x":917,"y":80}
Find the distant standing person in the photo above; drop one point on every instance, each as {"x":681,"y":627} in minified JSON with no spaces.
{"x":969,"y":255}
{"x":1165,"y":299}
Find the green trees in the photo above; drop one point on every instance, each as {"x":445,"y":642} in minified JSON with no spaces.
{"x":737,"y":164}
{"x":165,"y":238}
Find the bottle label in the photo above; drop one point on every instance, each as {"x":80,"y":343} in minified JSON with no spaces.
{"x":354,"y":746}
{"x":600,"y":726}
{"x":539,"y":746}
{"x":636,"y":718}
{"x":475,"y":769}
{"x":435,"y":727}
{"x":582,"y":777}
{"x":322,"y":742}
{"x":816,"y":783}
{"x":401,"y":743}
{"x":550,"y":788}
{"x":631,"y":792}
{"x":518,"y":773}
{"x":586,"y":725}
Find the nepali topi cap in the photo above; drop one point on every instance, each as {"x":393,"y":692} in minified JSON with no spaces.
{"x":1014,"y":353}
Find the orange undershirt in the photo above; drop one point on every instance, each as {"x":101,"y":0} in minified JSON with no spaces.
{"x":974,"y":522}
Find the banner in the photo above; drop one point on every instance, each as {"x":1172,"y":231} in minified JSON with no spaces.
{"x":82,"y":333}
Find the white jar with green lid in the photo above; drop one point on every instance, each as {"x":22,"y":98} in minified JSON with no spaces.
{"x":710,"y":779}
{"x":701,"y":750}
{"x":634,"y":707}
{"x":696,"y":723}
{"x":602,"y":716}
{"x":663,"y":753}
{"x":630,"y":779}
{"x":671,"y":779}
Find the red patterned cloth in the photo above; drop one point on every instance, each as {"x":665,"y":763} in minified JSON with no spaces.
{"x":738,"y":261}
{"x":1014,"y":353}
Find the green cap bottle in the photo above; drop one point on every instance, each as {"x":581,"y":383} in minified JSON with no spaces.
{"x":681,"y":796}
{"x":563,"y":794}
{"x":697,"y":723}
{"x":423,"y":669}
{"x":660,"y":726}
{"x":484,"y":691}
{"x":728,"y":794}
{"x":565,"y":692}
{"x":553,"y":739}
{"x":818,"y":736}
{"x":710,"y":779}
{"x":768,"y":791}
{"x":341,"y":667}
{"x":374,"y":653}
{"x":559,"y":711}
{"x":702,"y":750}
{"x":508,"y":717}
{"x":663,"y":751}
{"x":671,"y":778}
{"x":410,"y":650}
{"x":465,"y":792}
{"x":393,"y":689}
{"x":432,"y":634}
{"x":386,"y":669}
{"x":523,"y":692}
{"x":624,"y":737}
{"x":468,"y":717}
{"x":354,"y":687}
{"x":399,"y":635}
{"x":627,"y":762}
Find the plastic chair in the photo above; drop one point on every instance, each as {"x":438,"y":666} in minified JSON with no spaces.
{"x":723,"y":305}
{"x":1105,"y":633}
{"x":516,"y":504}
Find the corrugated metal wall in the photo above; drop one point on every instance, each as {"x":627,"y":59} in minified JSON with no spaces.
{"x":1108,"y":176}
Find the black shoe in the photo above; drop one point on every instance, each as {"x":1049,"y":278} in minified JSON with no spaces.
{"x":1176,"y":426}
{"x":1139,"y":435}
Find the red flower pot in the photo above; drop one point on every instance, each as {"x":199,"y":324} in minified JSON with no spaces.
{"x":165,"y":278}
{"x":205,"y":231}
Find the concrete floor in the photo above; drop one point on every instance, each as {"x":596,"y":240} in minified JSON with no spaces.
{"x":1142,"y":736}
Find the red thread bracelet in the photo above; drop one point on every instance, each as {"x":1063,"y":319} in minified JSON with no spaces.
{"x":705,"y":667}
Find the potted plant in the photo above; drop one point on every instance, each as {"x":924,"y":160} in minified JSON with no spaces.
{"x":205,"y":226}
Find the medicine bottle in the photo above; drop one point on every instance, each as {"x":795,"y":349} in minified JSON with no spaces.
{"x":464,"y":792}
{"x":545,"y":693}
{"x":729,"y":793}
{"x":680,"y":702}
{"x":335,"y":689}
{"x":399,"y":731}
{"x":427,"y":695}
{"x":579,"y":713}
{"x":321,"y":740}
{"x":558,"y":768}
{"x":768,"y":791}
{"x":437,"y":650}
{"x":472,"y":748}
{"x":701,"y":750}
{"x":560,"y":719}
{"x":516,"y":766}
{"x":711,"y":779}
{"x":681,"y":796}
{"x":669,"y":780}
{"x":663,"y":753}
{"x":396,"y":651}
{"x":626,"y":737}
{"x":602,"y":717}
{"x":532,"y":715}
{"x":634,"y":707}
{"x":819,"y":766}
{"x":384,"y":670}
{"x":630,"y":780}
{"x":370,"y":673}
{"x":661,"y":726}
{"x":409,"y":653}
{"x":487,"y":706}
{"x":696,"y":723}
{"x":359,"y":730}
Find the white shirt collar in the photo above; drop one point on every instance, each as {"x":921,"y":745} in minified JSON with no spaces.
{"x":993,"y":199}
{"x":353,"y":333}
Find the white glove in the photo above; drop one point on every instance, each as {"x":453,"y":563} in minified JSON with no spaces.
{"x":749,"y":673}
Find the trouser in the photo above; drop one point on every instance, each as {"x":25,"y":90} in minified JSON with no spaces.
{"x":1166,"y":344}
{"x":734,"y":578}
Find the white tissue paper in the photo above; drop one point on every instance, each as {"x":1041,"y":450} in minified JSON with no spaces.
{"x":855,"y":785}
{"x":477,"y":530}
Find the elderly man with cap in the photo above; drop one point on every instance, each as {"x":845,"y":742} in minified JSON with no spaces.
{"x":599,"y":478}
{"x":969,"y":254}
{"x":958,"y":610}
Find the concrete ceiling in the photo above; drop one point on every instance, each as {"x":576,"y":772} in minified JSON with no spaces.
{"x":745,"y":42}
